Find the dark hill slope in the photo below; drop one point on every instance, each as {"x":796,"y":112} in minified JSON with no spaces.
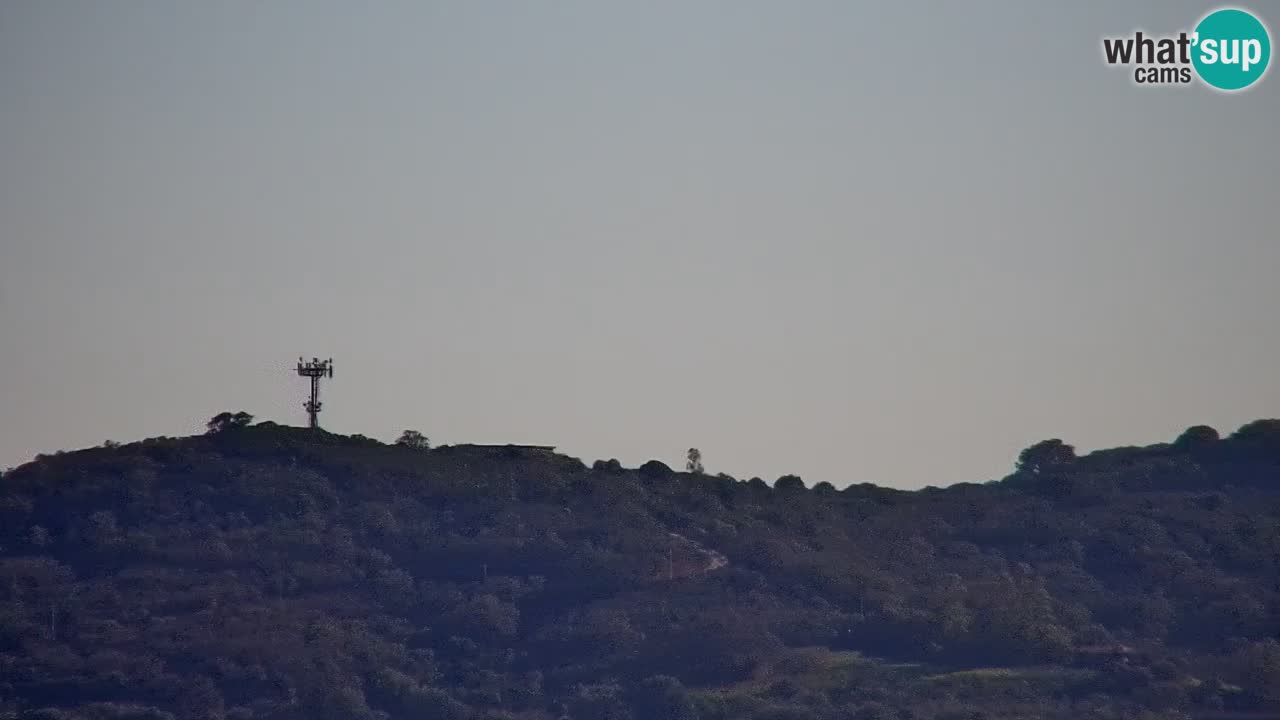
{"x":273,"y":572}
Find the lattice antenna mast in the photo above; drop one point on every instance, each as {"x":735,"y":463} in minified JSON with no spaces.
{"x":315,"y":369}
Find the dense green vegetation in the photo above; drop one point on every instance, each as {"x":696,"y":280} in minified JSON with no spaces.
{"x":264,"y":572}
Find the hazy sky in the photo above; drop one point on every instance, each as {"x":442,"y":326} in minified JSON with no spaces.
{"x":862,"y":242}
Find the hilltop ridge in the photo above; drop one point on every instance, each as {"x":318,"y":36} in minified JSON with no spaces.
{"x":277,"y":572}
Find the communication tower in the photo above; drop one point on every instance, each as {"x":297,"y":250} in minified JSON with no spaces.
{"x":315,"y":369}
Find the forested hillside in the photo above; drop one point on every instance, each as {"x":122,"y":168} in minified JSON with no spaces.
{"x":287,"y":574}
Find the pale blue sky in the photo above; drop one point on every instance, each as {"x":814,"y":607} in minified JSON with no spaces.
{"x":861,"y":242}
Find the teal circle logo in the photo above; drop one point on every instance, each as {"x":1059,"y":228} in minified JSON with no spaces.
{"x":1232,"y":49}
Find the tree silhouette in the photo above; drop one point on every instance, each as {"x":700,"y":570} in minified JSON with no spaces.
{"x":227,"y":420}
{"x":414,"y":439}
{"x":694,"y":464}
{"x":1045,"y":455}
{"x":1196,"y":436}
{"x":789,"y":483}
{"x":655,"y":468}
